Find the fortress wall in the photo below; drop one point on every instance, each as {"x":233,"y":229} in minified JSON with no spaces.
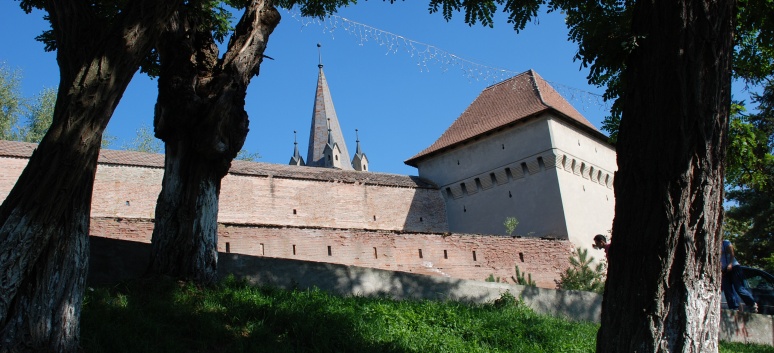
{"x":131,"y":192}
{"x":441,"y":254}
{"x":299,"y":202}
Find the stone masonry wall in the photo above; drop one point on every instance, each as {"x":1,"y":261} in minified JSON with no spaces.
{"x":460,"y":256}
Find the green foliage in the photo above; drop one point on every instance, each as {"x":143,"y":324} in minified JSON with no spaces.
{"x":510,"y":225}
{"x":168,"y":316}
{"x":749,"y":221}
{"x":145,"y":141}
{"x":39,"y":116}
{"x":524,"y":281}
{"x":11,"y":102}
{"x":581,"y":276}
{"x":245,"y":155}
{"x":492,"y":278}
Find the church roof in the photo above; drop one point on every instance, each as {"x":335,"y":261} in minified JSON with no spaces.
{"x":516,"y":99}
{"x":324,"y":114}
{"x":15,"y":149}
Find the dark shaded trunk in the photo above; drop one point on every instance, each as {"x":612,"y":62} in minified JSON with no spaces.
{"x":200,"y":117}
{"x":663,"y":283}
{"x":44,"y":221}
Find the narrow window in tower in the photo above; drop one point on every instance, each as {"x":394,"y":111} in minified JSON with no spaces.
{"x":329,"y":250}
{"x":228,"y":247}
{"x":263,"y":252}
{"x":294,"y":211}
{"x":375,"y":256}
{"x":420,"y":253}
{"x":474,"y":255}
{"x":294,"y":249}
{"x":521,"y":256}
{"x":445,"y":255}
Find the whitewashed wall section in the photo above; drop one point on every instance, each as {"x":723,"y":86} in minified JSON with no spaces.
{"x":552,"y":159}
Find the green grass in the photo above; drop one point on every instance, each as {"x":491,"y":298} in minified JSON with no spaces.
{"x":168,"y":316}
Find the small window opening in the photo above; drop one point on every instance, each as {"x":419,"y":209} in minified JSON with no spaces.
{"x":445,"y":255}
{"x":478,"y":183}
{"x":464,"y":209}
{"x":365,"y":167}
{"x":503,"y":146}
{"x":458,"y":162}
{"x":337,"y":157}
{"x":508,"y":174}
{"x":521,"y":256}
{"x":541,"y":163}
{"x":420,"y":253}
{"x":524,"y":168}
{"x":329,"y":250}
{"x":474,"y":255}
{"x":294,"y":249}
{"x":375,"y":256}
{"x":127,"y":203}
{"x":420,"y":219}
{"x":374,"y":217}
{"x":228,"y":247}
{"x":509,"y":194}
{"x":263,"y":252}
{"x":294,"y":211}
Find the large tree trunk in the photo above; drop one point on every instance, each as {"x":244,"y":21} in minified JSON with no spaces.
{"x":44,"y":221}
{"x":663,"y":283}
{"x":200,"y":117}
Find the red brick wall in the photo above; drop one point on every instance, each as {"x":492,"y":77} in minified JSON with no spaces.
{"x":256,"y":216}
{"x":442,"y":255}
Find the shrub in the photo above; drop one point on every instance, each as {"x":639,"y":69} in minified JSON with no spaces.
{"x":580,"y":275}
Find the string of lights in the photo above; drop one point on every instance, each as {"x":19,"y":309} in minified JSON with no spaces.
{"x":427,"y":56}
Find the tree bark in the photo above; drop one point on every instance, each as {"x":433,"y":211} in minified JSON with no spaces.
{"x":200,"y":117}
{"x":662,"y":292}
{"x":44,"y":221}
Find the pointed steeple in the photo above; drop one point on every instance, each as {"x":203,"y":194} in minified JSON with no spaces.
{"x":359,"y":161}
{"x":324,"y":119}
{"x":296,"y":159}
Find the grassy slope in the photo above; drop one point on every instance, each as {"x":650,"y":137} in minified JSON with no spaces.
{"x":167,"y":316}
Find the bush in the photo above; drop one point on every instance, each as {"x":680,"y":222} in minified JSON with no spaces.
{"x":580,"y":275}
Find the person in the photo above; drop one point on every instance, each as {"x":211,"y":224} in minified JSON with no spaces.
{"x":732,"y":279}
{"x":600,"y":242}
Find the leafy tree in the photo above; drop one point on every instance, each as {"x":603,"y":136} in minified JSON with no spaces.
{"x":750,"y":181}
{"x":581,"y":276}
{"x":200,"y":117}
{"x":11,"y":102}
{"x":44,"y":221}
{"x":668,"y":66}
{"x":39,"y":116}
{"x":144,"y":141}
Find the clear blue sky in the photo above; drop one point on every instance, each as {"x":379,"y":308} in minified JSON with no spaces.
{"x":400,"y":101}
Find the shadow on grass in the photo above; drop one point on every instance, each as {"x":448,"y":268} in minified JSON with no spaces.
{"x":168,"y":316}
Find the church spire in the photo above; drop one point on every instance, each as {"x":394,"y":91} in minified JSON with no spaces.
{"x":324,"y":119}
{"x":296,"y":159}
{"x":359,"y":161}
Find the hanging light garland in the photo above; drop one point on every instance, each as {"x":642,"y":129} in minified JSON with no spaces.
{"x":427,"y":55}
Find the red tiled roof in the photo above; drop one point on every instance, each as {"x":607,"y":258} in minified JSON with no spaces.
{"x":518,"y":98}
{"x":154,"y":160}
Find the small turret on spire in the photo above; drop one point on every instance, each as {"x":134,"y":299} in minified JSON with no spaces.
{"x":359,"y":161}
{"x":296,"y":159}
